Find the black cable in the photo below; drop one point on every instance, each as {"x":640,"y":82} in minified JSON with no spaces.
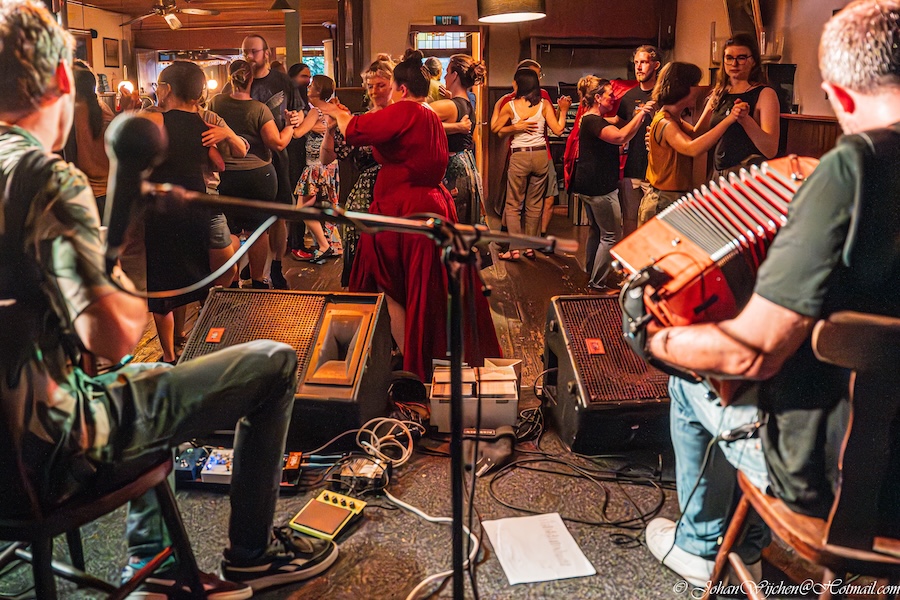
{"x":578,"y":471}
{"x":705,"y":463}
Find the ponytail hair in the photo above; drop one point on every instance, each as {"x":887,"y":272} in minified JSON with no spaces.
{"x":588,"y":88}
{"x":411,"y":73}
{"x":471,"y":72}
{"x":382,"y":66}
{"x":241,"y":74}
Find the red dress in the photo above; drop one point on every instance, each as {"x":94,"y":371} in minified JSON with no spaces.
{"x":409,"y":142}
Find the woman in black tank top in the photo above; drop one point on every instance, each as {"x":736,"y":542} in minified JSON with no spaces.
{"x":179,"y":241}
{"x":754,"y":137}
{"x":458,"y":116}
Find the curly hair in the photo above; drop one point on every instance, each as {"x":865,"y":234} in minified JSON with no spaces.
{"x":412,"y":73}
{"x":859,"y":46}
{"x":589,"y":87}
{"x":32,"y":45}
{"x":675,"y":82}
{"x":471,"y":72}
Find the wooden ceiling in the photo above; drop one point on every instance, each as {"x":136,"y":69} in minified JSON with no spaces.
{"x":237,"y":18}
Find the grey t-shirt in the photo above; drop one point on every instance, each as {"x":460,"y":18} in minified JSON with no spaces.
{"x":246,"y":118}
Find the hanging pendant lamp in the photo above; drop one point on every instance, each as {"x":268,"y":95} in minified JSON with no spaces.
{"x":282,"y":5}
{"x":511,"y":11}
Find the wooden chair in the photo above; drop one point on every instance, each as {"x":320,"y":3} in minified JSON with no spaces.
{"x":858,"y":537}
{"x":111,"y":490}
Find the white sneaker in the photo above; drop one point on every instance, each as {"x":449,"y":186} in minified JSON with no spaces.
{"x":660,"y":536}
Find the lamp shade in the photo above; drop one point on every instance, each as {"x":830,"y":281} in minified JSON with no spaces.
{"x":511,"y":11}
{"x":282,"y":5}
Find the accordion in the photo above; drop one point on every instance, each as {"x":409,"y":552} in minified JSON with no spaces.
{"x":696,"y":261}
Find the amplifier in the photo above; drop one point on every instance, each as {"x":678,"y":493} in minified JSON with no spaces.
{"x":343,"y":344}
{"x":598,"y":394}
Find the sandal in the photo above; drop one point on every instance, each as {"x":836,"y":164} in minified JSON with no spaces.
{"x":319,"y":257}
{"x":529,"y":254}
{"x":511,"y":255}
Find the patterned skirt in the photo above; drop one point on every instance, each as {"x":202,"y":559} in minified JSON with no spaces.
{"x":359,"y":200}
{"x":464,"y":183}
{"x":320,"y":181}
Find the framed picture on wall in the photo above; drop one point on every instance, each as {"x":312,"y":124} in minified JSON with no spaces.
{"x":110,"y":52}
{"x":83,"y":48}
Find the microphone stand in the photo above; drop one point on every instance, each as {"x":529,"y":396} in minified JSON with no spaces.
{"x":456,"y":242}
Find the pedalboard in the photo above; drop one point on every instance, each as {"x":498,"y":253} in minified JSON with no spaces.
{"x":206,"y":467}
{"x":326,"y":515}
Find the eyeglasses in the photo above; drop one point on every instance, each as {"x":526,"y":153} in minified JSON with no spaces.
{"x":249,"y":52}
{"x":739,"y":59}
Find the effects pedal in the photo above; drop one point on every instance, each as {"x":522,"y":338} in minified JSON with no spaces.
{"x":189,"y":463}
{"x":327,"y":514}
{"x":361,"y":476}
{"x":218,"y":466}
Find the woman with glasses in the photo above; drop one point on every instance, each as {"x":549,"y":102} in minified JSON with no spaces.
{"x":741,"y":78}
{"x":671,"y":142}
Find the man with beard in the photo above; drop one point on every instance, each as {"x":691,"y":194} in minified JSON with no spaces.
{"x":634,"y":182}
{"x":276,"y":90}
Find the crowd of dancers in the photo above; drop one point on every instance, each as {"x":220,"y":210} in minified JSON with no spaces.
{"x":275,"y":135}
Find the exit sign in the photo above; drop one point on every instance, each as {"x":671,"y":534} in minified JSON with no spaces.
{"x":447,"y":19}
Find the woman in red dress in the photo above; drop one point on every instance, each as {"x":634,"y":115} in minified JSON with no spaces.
{"x":409,"y":141}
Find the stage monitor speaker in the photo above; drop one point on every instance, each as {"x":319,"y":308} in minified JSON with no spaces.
{"x":599,"y":395}
{"x":343,"y":344}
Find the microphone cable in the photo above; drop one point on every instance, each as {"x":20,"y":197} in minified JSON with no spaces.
{"x":203,"y":283}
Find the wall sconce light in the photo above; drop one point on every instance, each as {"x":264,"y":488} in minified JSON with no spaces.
{"x":511,"y":11}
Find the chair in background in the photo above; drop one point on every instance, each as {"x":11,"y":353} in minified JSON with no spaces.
{"x":862,"y":533}
{"x":111,"y":490}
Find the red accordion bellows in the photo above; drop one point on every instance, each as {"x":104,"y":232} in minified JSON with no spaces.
{"x":707,"y":246}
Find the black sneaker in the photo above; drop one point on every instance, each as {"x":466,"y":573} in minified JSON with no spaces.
{"x":162,"y":586}
{"x":291,"y":557}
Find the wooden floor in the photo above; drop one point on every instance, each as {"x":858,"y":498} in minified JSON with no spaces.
{"x":392,"y":550}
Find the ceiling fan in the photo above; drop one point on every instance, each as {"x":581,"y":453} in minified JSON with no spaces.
{"x":167,"y":10}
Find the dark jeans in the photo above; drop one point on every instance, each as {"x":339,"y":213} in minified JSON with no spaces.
{"x":250,"y":385}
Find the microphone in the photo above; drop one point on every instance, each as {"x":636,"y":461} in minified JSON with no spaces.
{"x":134,"y":145}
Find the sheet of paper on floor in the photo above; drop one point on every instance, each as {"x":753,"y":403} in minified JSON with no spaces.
{"x":537,"y":548}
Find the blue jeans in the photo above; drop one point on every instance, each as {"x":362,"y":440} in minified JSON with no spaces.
{"x":155,"y":406}
{"x":696,"y":418}
{"x":605,"y":219}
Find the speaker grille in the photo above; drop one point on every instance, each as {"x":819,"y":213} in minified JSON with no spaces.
{"x":617,"y":375}
{"x":245,"y":315}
